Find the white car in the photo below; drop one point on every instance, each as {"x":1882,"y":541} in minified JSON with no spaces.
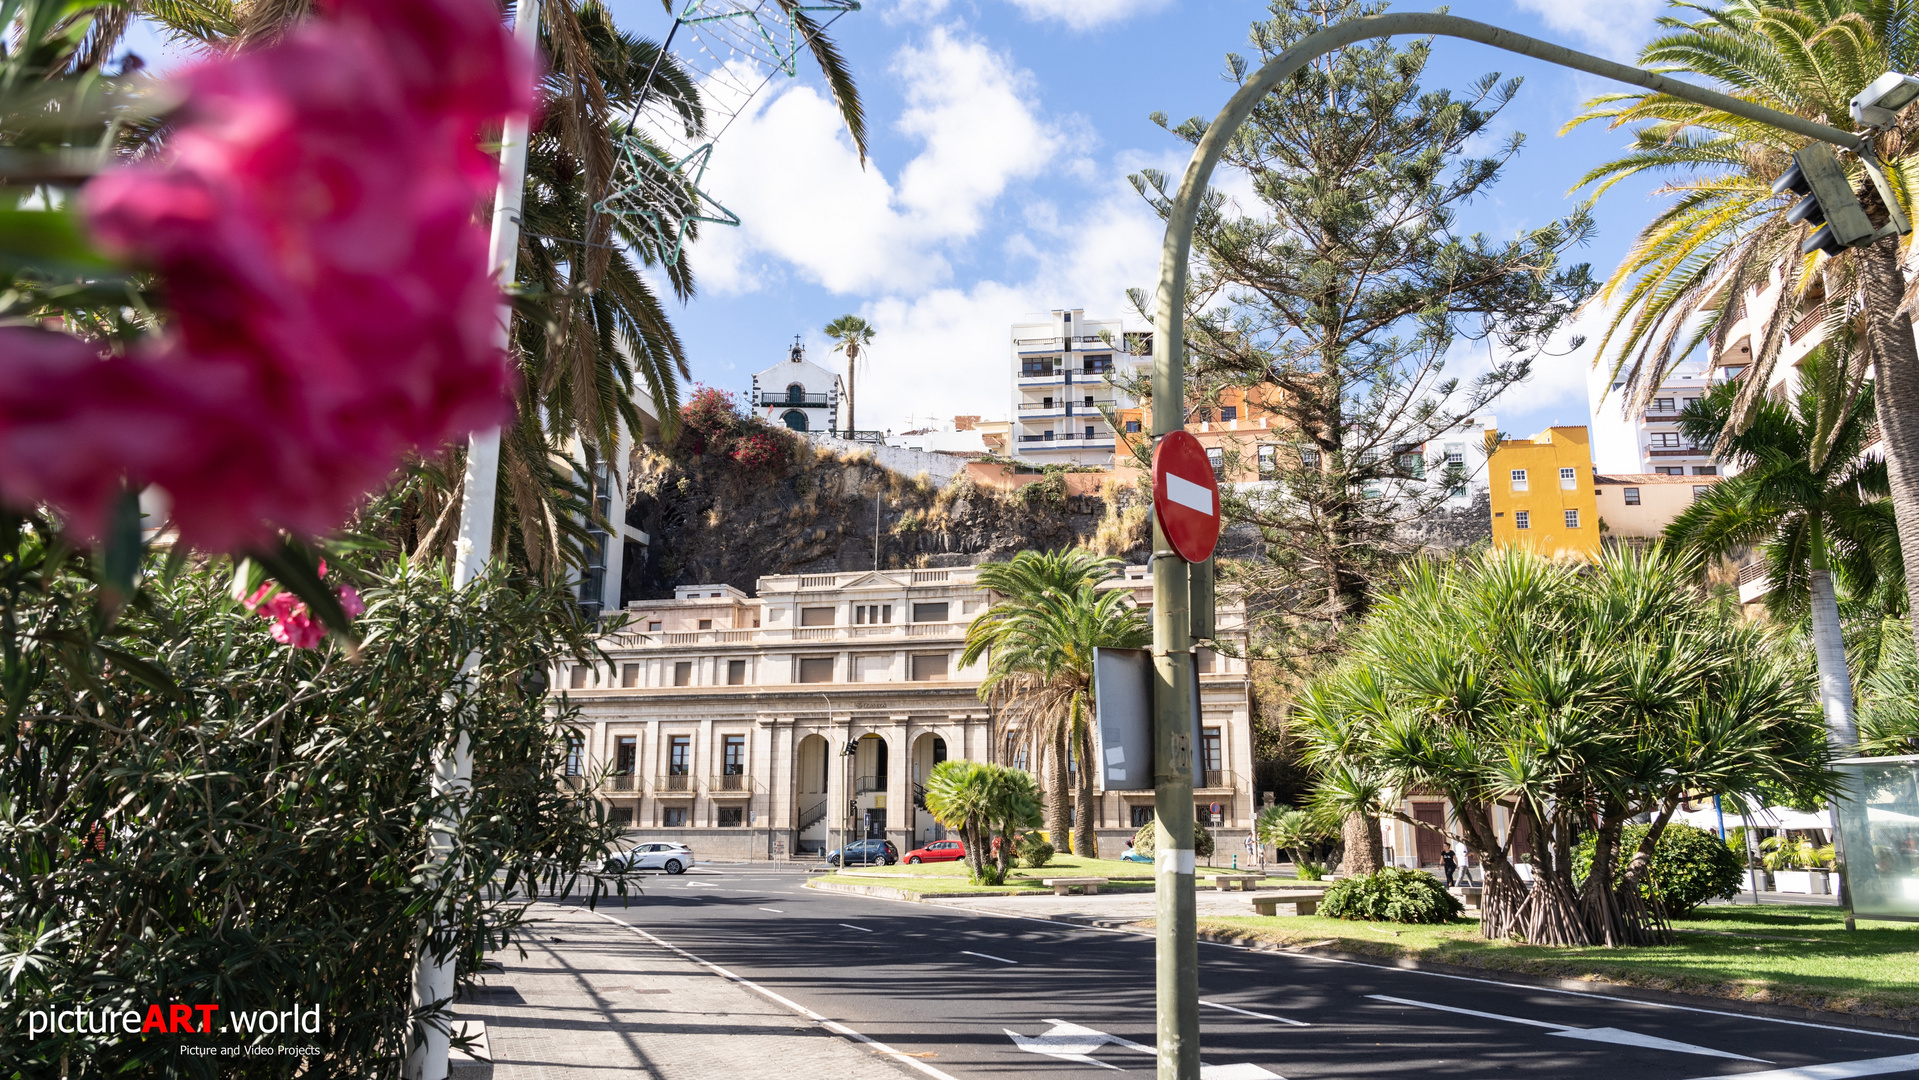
{"x":672,"y":858}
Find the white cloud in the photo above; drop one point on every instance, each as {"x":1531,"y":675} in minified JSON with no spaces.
{"x":1087,"y":14}
{"x":1614,"y":27}
{"x":789,"y":171}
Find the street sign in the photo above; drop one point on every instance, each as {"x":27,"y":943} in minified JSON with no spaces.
{"x":1185,"y":496}
{"x":1123,"y":719}
{"x":1216,"y":809}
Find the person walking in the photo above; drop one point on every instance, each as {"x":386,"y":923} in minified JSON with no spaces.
{"x":1451,"y":864}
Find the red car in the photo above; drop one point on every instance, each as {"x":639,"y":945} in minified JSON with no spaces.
{"x":937,"y":851}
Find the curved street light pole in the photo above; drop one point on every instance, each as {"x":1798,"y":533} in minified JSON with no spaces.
{"x":1177,"y":969}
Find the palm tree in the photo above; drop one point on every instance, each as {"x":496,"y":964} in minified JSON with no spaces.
{"x":1293,"y":831}
{"x":983,"y":802}
{"x":1039,"y":643}
{"x":852,"y":335}
{"x":1726,"y":232}
{"x":1807,"y":494}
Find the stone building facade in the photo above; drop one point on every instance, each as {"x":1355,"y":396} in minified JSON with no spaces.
{"x":777,"y":725}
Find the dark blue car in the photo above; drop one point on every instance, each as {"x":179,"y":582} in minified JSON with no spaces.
{"x":865,"y":853}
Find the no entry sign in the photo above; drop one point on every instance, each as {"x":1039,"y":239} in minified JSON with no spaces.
{"x":1185,"y":496}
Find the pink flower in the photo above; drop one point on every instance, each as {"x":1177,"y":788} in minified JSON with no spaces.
{"x":293,"y":624}
{"x":350,"y":601}
{"x":331,"y":308}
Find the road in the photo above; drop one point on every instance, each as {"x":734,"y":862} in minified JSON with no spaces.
{"x":967,"y":996}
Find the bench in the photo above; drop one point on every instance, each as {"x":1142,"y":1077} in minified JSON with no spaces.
{"x":1063,"y":885}
{"x":1468,"y":894}
{"x":1242,"y":882}
{"x":1304,"y":903}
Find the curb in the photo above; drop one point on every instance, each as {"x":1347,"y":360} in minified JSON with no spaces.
{"x":1796,"y":1013}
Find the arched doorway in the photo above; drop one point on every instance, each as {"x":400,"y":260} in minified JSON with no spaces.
{"x":810,"y":804}
{"x":928,"y":750}
{"x":794,"y":419}
{"x":796,"y":393}
{"x":871,"y":779}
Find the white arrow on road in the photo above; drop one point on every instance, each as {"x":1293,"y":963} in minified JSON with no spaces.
{"x":1568,"y":1031}
{"x":1073,"y":1042}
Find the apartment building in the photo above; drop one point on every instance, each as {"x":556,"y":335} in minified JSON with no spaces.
{"x":774,"y":725}
{"x":1065,"y":367}
{"x":797,"y":393}
{"x":1639,"y":506}
{"x":1542,"y":494}
{"x":1649,"y":440}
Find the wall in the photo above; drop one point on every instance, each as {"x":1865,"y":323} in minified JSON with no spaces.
{"x":1661,"y":499}
{"x":939,"y":468}
{"x":1545,"y":499}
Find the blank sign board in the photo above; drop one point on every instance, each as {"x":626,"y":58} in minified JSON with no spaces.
{"x":1123,"y":718}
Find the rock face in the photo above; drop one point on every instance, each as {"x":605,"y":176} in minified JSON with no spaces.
{"x":712,"y":521}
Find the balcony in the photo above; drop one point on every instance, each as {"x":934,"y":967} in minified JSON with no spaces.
{"x":1214,"y":780}
{"x":729,"y":785}
{"x":675,"y":785}
{"x":626,"y":782}
{"x":1041,"y":407}
{"x":1676,"y":451}
{"x":774,"y":399}
{"x":1753,"y":582}
{"x":864,"y":784}
{"x":658,"y":640}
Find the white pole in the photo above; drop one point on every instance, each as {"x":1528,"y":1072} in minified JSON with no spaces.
{"x":433,"y":981}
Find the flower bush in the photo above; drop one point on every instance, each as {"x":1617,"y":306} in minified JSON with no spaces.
{"x":293,"y":624}
{"x":712,"y":425}
{"x":329,"y":307}
{"x":1391,"y":895}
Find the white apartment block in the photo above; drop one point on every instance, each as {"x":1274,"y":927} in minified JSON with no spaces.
{"x":1649,"y":440}
{"x":762,"y":727}
{"x":797,"y":393}
{"x":1062,"y":367}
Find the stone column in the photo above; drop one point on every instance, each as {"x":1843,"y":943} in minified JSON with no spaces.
{"x":899,"y":784}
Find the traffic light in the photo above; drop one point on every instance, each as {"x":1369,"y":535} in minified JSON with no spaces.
{"x":1827,"y":201}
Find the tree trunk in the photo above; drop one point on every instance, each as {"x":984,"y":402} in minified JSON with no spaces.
{"x":1896,"y":390}
{"x":1058,"y":790}
{"x":1829,"y":648}
{"x":1085,"y":842}
{"x":849,"y":393}
{"x":975,"y":852}
{"x":1365,"y":851}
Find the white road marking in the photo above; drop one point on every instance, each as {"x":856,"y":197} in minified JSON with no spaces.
{"x":861,"y":929}
{"x":1188,"y":494}
{"x":831,"y":1025}
{"x":1075,"y":1042}
{"x":969,"y":952}
{"x":1613,"y":1036}
{"x":774,"y":910}
{"x":1838,"y":1070}
{"x":1245,"y":1070}
{"x":1249,"y":1012}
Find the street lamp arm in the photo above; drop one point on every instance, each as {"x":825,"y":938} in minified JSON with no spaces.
{"x":1168,"y":315}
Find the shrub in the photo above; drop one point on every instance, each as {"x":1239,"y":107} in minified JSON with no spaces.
{"x":1689,"y":866}
{"x":1033,"y":850}
{"x":1143,"y":842}
{"x":1310,"y":871}
{"x":1391,"y":895}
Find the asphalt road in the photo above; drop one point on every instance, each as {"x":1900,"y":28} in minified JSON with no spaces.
{"x":978,"y":996}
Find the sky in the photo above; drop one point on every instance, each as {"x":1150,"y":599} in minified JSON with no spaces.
{"x":1001,"y":136}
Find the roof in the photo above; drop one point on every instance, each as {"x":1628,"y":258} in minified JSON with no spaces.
{"x":1637,"y":478}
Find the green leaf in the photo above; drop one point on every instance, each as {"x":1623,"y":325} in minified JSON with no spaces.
{"x":297,"y":568}
{"x":48,"y":241}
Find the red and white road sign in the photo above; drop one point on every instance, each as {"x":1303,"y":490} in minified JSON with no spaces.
{"x":1185,"y":496}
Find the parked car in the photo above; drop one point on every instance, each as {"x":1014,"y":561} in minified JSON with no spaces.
{"x":937,"y":851}
{"x":865,"y":853}
{"x":672,"y":858}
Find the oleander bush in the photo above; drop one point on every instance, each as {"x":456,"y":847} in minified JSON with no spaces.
{"x":1689,"y":866}
{"x":1143,"y":842}
{"x":1034,"y":852}
{"x":1391,"y":895}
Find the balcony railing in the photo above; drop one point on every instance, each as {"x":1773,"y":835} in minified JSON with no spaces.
{"x":773,"y":399}
{"x":673,"y":784}
{"x":864,"y":784}
{"x":657,"y":639}
{"x":1042,"y":406}
{"x":729,"y":784}
{"x":1215,"y":780}
{"x":1674,"y":451}
{"x":622,"y":782}
{"x":1805,"y":324}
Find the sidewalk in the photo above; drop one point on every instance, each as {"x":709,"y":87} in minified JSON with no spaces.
{"x":592,"y":999}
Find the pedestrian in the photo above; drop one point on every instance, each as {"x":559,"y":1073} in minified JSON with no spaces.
{"x":1451,"y":864}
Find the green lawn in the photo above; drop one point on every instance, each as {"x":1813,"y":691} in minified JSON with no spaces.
{"x":937,"y":876}
{"x":1789,"y":954}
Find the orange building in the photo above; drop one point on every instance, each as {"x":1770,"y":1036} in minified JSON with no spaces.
{"x":1241,"y":434}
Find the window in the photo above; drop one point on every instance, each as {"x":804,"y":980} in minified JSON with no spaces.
{"x":1519,"y":480}
{"x":873,"y":613}
{"x":626,"y":754}
{"x":1089,"y":401}
{"x":929,"y":667}
{"x":1142,"y":816}
{"x":706,"y":624}
{"x":1522,"y":520}
{"x":673,"y":817}
{"x":795,"y":393}
{"x":733,"y":755}
{"x":1632,"y":496}
{"x":620,"y":815}
{"x":1210,"y":749}
{"x":817,"y":616}
{"x":1699,"y":490}
{"x":576,"y":678}
{"x":816,"y":669}
{"x":736,"y":673}
{"x":1665,"y":440}
{"x":629,"y":675}
{"x":683,"y":673}
{"x":1228,"y":412}
{"x":1455,"y":455}
{"x":731,"y":817}
{"x":1568,"y":479}
{"x":930,"y":612}
{"x":1268,"y":460}
{"x":1664,"y":404}
{"x":1413,"y":465}
{"x":1217,"y":459}
{"x":1705,"y":470}
{"x":1309,"y":456}
{"x":1048,"y":437}
{"x":1671,"y":470}
{"x":1132,"y":427}
{"x":1572,"y":519}
{"x":654,"y":626}
{"x":1688,"y":402}
{"x":575,"y":755}
{"x":1098,"y":365}
{"x":679,"y":755}
{"x":1036,"y":367}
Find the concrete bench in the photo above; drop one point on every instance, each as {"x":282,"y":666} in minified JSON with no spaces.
{"x":1467,"y":894}
{"x":1063,"y":885}
{"x":1304,"y":903}
{"x":1242,"y":882}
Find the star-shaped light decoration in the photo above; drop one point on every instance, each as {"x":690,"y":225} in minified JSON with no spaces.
{"x":771,"y":19}
{"x":638,"y":159}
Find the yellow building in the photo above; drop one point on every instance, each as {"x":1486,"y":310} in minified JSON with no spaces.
{"x":1542,"y":493}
